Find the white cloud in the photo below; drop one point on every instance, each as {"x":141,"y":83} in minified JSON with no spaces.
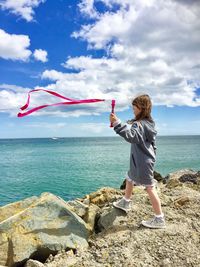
{"x":53,"y":75}
{"x":87,"y":7}
{"x":152,"y":46}
{"x":22,"y":8}
{"x":40,"y":55}
{"x":12,"y":97}
{"x":14,"y":88}
{"x":14,"y":47}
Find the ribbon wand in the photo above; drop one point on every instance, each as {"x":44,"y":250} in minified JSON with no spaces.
{"x":70,"y":101}
{"x":113,"y":110}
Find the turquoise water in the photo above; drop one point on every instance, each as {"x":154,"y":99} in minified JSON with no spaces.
{"x":73,"y":167}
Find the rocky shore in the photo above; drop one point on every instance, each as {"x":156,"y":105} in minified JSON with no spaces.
{"x":47,"y":231}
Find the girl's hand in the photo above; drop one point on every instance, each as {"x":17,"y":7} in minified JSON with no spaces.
{"x":113,"y":117}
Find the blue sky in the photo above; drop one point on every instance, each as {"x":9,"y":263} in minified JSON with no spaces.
{"x":98,"y":49}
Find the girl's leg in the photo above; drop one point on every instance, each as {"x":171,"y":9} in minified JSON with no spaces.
{"x":128,"y":190}
{"x":125,"y":202}
{"x":155,"y":200}
{"x":158,"y":220}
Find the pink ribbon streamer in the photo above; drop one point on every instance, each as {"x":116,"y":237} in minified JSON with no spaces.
{"x":70,"y":102}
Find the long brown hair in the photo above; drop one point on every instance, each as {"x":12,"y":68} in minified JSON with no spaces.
{"x":144,"y":103}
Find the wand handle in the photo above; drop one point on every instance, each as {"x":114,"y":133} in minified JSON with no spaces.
{"x":113,"y":110}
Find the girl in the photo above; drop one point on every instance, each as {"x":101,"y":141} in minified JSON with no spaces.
{"x":141,"y":135}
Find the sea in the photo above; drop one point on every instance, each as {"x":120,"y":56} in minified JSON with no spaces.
{"x":74,"y":167}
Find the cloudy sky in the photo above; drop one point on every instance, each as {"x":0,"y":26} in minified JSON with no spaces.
{"x":110,"y":49}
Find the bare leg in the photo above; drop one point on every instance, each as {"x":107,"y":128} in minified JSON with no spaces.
{"x":128,"y":190}
{"x":155,"y":200}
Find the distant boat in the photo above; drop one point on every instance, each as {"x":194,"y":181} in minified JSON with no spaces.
{"x":54,"y":138}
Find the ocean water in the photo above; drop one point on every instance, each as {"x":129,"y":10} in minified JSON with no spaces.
{"x":73,"y":167}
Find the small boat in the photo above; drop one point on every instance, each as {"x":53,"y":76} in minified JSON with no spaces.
{"x":54,"y":138}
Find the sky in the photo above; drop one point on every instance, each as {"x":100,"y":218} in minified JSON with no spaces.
{"x":107,"y":49}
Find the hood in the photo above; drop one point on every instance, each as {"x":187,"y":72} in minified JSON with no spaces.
{"x":149,"y":129}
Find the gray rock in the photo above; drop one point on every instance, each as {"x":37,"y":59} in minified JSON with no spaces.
{"x":46,"y":226}
{"x":78,"y":207}
{"x":179,"y":177}
{"x":157,"y":176}
{"x":13,"y":208}
{"x":110,"y":217}
{"x":192,"y":178}
{"x":177,"y":174}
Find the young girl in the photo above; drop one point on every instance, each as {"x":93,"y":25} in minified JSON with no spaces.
{"x":141,"y":135}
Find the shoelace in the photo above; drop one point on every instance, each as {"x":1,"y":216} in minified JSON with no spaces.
{"x":158,"y":219}
{"x":151,"y":221}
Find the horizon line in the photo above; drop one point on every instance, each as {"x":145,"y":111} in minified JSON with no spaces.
{"x":89,"y":136}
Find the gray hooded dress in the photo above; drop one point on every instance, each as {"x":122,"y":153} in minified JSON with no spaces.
{"x":142,"y":136}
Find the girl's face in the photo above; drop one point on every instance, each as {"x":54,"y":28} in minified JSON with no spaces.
{"x":136,"y":110}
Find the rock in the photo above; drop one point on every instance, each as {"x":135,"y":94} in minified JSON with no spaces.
{"x":86,"y":200}
{"x":104,"y":196}
{"x":50,"y":258}
{"x":181,"y":201}
{"x":192,"y":178}
{"x":158,"y":176}
{"x":78,"y":207}
{"x":90,"y":216}
{"x":109,"y":217}
{"x":177,"y":174}
{"x":45,"y":227}
{"x":182,"y":176}
{"x":123,"y":185}
{"x":63,"y":259}
{"x":34,"y":263}
{"x":173,"y":183}
{"x":14,"y":208}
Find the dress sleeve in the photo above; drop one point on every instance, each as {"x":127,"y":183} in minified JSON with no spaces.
{"x":131,"y":135}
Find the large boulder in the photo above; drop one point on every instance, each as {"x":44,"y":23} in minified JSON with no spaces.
{"x":179,"y":177}
{"x":177,"y":174}
{"x":109,"y":217}
{"x":45,"y":225}
{"x":16,"y":207}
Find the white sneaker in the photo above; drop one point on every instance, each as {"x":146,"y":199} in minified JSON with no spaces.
{"x":155,"y":222}
{"x":123,"y":205}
